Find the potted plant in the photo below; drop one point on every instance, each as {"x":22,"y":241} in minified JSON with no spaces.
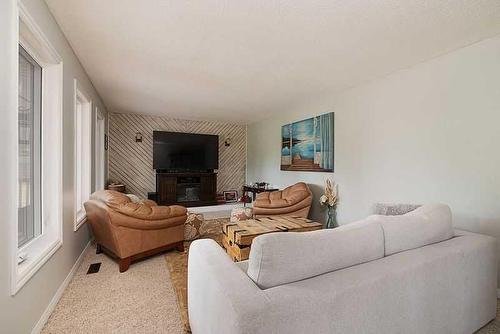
{"x":330,"y":200}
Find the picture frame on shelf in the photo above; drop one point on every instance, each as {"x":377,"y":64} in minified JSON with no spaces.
{"x":231,"y":196}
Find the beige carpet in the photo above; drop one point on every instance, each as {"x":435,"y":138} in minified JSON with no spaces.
{"x":141,"y":300}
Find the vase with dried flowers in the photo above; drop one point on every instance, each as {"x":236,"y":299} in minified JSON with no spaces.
{"x":330,"y":200}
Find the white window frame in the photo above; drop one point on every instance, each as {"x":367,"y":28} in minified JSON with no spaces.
{"x":99,"y":151}
{"x":36,"y":252}
{"x":83,"y":155}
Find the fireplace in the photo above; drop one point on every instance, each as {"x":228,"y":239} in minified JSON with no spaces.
{"x":186,"y":189}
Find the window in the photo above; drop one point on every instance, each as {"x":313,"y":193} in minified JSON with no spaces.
{"x":29,"y":149}
{"x":83,"y":156}
{"x":99,"y":150}
{"x":38,"y":230}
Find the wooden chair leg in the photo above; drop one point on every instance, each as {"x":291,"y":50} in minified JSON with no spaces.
{"x":98,"y":249}
{"x":124,"y":264}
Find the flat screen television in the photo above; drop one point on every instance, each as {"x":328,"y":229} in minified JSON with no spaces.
{"x":178,"y":152}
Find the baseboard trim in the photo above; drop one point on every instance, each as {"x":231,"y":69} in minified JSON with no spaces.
{"x":50,"y":308}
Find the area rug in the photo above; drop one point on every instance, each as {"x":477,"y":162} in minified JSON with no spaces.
{"x":177,"y":265}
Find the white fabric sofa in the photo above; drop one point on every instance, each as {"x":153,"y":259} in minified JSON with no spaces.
{"x":386,"y":274}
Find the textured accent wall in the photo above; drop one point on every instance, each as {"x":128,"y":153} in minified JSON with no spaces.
{"x":132,"y":163}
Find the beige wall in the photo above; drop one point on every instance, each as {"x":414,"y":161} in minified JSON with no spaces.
{"x":429,"y":133}
{"x":132,"y":163}
{"x":19,"y":313}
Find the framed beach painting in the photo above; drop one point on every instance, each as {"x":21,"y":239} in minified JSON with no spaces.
{"x":307,"y":145}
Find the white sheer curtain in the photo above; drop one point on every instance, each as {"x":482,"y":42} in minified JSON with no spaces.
{"x":327,"y":133}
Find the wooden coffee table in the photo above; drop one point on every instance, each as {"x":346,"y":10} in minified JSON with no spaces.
{"x":238,"y":237}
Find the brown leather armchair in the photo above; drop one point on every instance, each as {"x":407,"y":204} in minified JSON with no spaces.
{"x":130,"y":231}
{"x":294,"y":201}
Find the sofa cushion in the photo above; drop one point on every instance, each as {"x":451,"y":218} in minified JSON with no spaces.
{"x":281,"y":258}
{"x":426,"y":225}
{"x":148,"y":210}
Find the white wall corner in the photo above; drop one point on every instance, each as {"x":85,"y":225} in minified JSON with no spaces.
{"x":57,"y":296}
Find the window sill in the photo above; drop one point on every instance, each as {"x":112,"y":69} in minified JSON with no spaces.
{"x":39,"y":251}
{"x":81,"y":218}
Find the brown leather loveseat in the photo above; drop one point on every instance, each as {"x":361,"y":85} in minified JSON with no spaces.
{"x":129,"y":230}
{"x":295,"y":201}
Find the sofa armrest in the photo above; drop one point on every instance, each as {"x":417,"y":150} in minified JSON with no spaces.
{"x":221,"y":297}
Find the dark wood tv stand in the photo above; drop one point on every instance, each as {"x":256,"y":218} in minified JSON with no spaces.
{"x":186,"y":188}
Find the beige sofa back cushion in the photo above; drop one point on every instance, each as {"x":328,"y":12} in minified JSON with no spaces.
{"x":426,"y":225}
{"x":281,"y":258}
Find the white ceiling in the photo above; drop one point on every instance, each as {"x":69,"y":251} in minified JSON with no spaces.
{"x":240,"y":61}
